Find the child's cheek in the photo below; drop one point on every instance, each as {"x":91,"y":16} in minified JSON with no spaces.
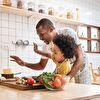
{"x":56,"y":58}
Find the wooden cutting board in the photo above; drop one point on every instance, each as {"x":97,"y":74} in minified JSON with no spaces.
{"x":21,"y":86}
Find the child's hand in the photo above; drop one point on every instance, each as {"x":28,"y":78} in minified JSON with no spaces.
{"x":35,"y":47}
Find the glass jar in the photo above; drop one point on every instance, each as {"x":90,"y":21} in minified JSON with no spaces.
{"x":78,"y":14}
{"x":19,"y":4}
{"x":7,"y":2}
{"x":41,"y":9}
{"x":31,"y":6}
{"x":69,"y":14}
{"x":51,"y":11}
{"x":61,"y":12}
{"x":14,"y":3}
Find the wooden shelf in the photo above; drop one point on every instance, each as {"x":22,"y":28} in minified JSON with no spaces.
{"x":91,"y":52}
{"x":83,"y":38}
{"x":57,"y":19}
{"x":16,"y":11}
{"x":30,"y":14}
{"x":62,"y":19}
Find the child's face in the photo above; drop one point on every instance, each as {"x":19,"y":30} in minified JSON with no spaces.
{"x":57,"y":54}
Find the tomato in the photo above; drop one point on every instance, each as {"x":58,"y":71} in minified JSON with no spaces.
{"x":63,"y":79}
{"x":57,"y":83}
{"x":58,"y":76}
{"x":30,"y":81}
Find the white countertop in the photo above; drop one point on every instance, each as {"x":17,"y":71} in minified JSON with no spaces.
{"x":71,"y":91}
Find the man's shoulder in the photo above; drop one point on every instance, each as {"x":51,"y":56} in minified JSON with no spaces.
{"x":66,"y":31}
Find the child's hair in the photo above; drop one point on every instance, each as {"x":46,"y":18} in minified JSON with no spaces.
{"x":66,"y":44}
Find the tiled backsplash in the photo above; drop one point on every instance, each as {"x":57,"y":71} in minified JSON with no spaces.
{"x":13,"y":28}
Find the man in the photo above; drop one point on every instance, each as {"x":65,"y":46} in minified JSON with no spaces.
{"x":46,"y":31}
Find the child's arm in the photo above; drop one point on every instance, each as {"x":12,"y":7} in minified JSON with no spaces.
{"x":41,"y":52}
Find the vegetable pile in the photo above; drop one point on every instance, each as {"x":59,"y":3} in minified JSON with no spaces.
{"x":51,"y":81}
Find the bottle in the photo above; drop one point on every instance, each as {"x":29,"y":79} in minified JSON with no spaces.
{"x":82,"y":34}
{"x":78,"y":14}
{"x":7,"y":2}
{"x":99,"y":70}
{"x":94,"y":36}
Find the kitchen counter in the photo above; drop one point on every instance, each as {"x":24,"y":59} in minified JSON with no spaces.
{"x":71,"y":91}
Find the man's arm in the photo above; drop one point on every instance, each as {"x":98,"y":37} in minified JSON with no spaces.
{"x":37,"y":66}
{"x":78,"y":62}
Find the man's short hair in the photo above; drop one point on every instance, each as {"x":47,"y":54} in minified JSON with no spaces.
{"x":45,"y":23}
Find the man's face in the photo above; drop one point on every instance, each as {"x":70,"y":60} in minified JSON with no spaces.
{"x":44,"y":34}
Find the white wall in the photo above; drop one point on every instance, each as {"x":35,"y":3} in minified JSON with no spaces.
{"x":14,"y":27}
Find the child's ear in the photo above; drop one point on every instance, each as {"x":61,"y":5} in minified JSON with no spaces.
{"x":51,"y":30}
{"x":63,"y":55}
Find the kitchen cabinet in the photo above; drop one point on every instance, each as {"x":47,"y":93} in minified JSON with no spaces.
{"x":90,"y":39}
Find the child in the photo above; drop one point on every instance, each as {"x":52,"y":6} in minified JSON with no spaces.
{"x":63,"y":50}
